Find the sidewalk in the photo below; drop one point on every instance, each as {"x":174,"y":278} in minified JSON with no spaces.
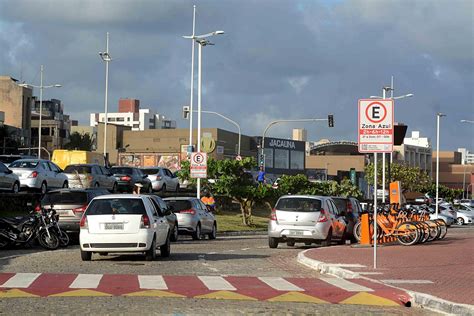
{"x":443,"y":269}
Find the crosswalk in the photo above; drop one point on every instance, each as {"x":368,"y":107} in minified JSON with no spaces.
{"x":323,"y":290}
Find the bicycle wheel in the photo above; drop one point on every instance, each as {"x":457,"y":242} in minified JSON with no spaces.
{"x":425,"y":228}
{"x":435,"y":230}
{"x":356,"y":231}
{"x":408,"y":234}
{"x":443,"y":228}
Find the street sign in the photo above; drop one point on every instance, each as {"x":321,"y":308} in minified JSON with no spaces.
{"x":238,"y":158}
{"x":375,"y":128}
{"x":198,"y":165}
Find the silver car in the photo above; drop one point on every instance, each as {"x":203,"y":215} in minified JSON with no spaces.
{"x":193,"y":217}
{"x":39,"y":174}
{"x":90,"y":176}
{"x":8,"y":180}
{"x":305,"y":218}
{"x":162,"y":179}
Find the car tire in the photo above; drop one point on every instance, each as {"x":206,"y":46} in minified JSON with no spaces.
{"x":213,"y":233}
{"x":165,"y":250}
{"x":197,"y":233}
{"x":174,"y":233}
{"x":343,"y":238}
{"x":44,"y":187}
{"x":272,"y":242}
{"x":103,"y":254}
{"x":16,"y":187}
{"x":290,"y":243}
{"x":327,"y":242}
{"x":150,"y":254}
{"x":460,"y":221}
{"x":86,"y":255}
{"x":65,"y":185}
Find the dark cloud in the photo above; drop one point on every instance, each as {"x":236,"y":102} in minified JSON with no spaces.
{"x":278,"y":59}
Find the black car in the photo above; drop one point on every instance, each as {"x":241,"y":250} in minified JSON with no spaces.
{"x":127,"y":177}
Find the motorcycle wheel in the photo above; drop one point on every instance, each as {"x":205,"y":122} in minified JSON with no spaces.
{"x":63,"y":239}
{"x":50,"y":242}
{"x":4,"y":242}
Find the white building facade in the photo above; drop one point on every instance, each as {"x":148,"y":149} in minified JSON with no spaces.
{"x":143,"y":120}
{"x":467,"y":156}
{"x":415,"y":152}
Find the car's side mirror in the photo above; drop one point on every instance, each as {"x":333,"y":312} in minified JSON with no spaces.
{"x":9,"y":171}
{"x":167,"y":211}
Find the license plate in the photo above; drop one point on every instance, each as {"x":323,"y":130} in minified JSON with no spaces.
{"x":113,"y":226}
{"x":296,"y":232}
{"x":63,"y":212}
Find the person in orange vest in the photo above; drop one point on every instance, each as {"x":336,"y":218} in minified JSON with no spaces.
{"x":209,"y":201}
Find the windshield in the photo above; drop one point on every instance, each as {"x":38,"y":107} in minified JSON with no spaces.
{"x":341,"y":204}
{"x":150,"y":171}
{"x":121,"y":170}
{"x":116,"y":206}
{"x":298,"y":205}
{"x":24,"y":164}
{"x":59,"y":198}
{"x":78,"y":169}
{"x":180,"y":205}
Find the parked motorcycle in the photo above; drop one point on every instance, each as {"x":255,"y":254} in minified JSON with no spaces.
{"x":24,"y":229}
{"x":52,"y":219}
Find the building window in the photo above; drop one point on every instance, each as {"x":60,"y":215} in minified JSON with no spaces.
{"x":128,"y":119}
{"x":136,"y":126}
{"x":297,"y":160}
{"x":268,"y":152}
{"x":282,"y":159}
{"x":120,"y":119}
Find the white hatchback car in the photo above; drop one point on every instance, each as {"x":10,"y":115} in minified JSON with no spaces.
{"x":123,"y":223}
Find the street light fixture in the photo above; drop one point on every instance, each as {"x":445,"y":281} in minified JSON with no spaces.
{"x":41,"y":87}
{"x":190,"y":147}
{"x":202,"y":41}
{"x":438,"y":116}
{"x":105,"y":56}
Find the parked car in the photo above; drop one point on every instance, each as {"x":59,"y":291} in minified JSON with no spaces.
{"x":8,"y":180}
{"x":352,"y":208}
{"x":169,"y":215}
{"x":8,"y":159}
{"x":123,"y":223}
{"x":126,"y":178}
{"x":90,"y":176}
{"x":183,"y":184}
{"x":443,"y":214}
{"x":70,"y":205}
{"x":193,"y":217}
{"x":464,"y":215}
{"x":39,"y":174}
{"x":162,"y":179}
{"x":467,"y":202}
{"x":305,"y":218}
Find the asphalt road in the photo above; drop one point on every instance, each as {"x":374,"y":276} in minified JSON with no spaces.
{"x":226,"y":256}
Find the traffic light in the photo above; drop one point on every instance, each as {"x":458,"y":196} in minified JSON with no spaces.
{"x":331,"y":120}
{"x":186,"y":112}
{"x":261,"y":160}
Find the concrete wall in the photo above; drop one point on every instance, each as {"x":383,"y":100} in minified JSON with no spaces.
{"x":335,"y":163}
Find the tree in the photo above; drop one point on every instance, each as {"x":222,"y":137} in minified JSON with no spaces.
{"x":412,"y":178}
{"x":79,"y":141}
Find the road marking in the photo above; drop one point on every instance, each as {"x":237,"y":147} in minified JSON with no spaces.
{"x":21,"y":280}
{"x":345,"y":265}
{"x":245,"y":248}
{"x":370,"y":273}
{"x":216,"y":283}
{"x":407,"y":281}
{"x":152,"y":282}
{"x":86,"y":281}
{"x":346,"y":285}
{"x":280,"y":284}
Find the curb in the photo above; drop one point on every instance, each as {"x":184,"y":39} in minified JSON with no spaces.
{"x":418,"y":299}
{"x":242,"y":233}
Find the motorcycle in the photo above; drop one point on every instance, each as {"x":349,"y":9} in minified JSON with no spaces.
{"x":52,"y":218}
{"x":23,"y":230}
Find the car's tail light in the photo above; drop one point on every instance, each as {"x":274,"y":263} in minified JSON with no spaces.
{"x":34,"y":174}
{"x":38,"y":208}
{"x":322,"y":216}
{"x":273,"y":215}
{"x":83,"y":222}
{"x":190,"y":211}
{"x":145,"y":222}
{"x":125,"y":178}
{"x":80,"y":209}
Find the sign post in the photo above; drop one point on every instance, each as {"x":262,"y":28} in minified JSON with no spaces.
{"x":198,"y":165}
{"x":375,"y":131}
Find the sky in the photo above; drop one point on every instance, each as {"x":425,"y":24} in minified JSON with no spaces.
{"x":277,"y":60}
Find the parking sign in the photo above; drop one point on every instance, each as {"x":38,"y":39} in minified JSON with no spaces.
{"x":198,"y":165}
{"x":375,"y":126}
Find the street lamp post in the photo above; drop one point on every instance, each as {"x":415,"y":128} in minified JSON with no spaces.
{"x":438,"y":116}
{"x":106,"y":58}
{"x":41,"y":87}
{"x":192,"y":87}
{"x":202,"y":41}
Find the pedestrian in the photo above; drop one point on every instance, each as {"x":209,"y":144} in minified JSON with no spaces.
{"x":209,"y":201}
{"x":261,"y":176}
{"x":137,"y":187}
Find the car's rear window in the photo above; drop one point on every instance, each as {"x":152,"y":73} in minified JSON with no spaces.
{"x":24,"y":164}
{"x":341,"y":204}
{"x":150,"y":171}
{"x":116,"y":206}
{"x":78,"y":169}
{"x":68,"y":198}
{"x":298,"y":205}
{"x":180,"y":205}
{"x":116,"y":170}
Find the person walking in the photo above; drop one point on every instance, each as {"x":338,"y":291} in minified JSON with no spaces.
{"x":261,"y":176}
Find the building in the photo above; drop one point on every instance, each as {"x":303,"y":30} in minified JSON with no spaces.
{"x":452,"y":173}
{"x":16,"y":102}
{"x":414,"y":152}
{"x":282,"y":156}
{"x":300,"y":134}
{"x":467,"y":157}
{"x":131,"y":115}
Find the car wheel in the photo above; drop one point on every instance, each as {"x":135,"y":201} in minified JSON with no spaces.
{"x":272,"y":242}
{"x":103,"y":253}
{"x":460,"y":221}
{"x":86,"y":255}
{"x":44,"y":187}
{"x":65,"y":185}
{"x":174,"y":234}
{"x":165,"y":250}
{"x":16,"y":187}
{"x":343,"y":238}
{"x":197,"y":233}
{"x":327,"y":242}
{"x":290,"y":243}
{"x":150,"y":254}
{"x":213,"y":233}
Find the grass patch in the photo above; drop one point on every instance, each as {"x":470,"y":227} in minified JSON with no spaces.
{"x":232,"y":220}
